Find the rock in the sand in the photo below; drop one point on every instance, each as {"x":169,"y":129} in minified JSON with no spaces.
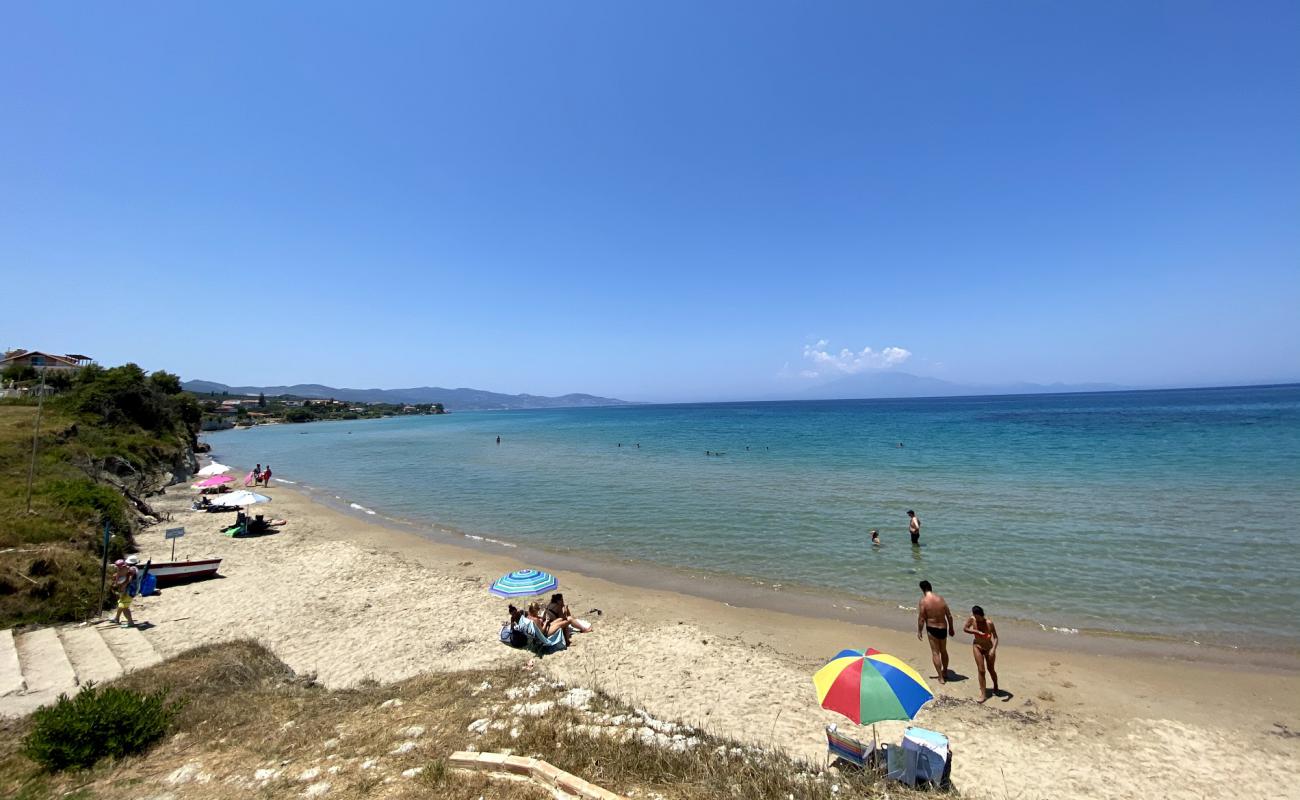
{"x":394,"y":703}
{"x":265,"y":776}
{"x":404,"y":748}
{"x":533,"y":709}
{"x":479,"y":725}
{"x":316,"y":789}
{"x":412,"y":772}
{"x":184,"y":774}
{"x":413,"y":732}
{"x":577,"y":698}
{"x":369,"y":763}
{"x":308,"y":774}
{"x":330,"y":744}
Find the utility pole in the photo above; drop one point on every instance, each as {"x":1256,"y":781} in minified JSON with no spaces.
{"x":36,"y":437}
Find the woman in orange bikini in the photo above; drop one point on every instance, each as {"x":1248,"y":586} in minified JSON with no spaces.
{"x":985,"y":648}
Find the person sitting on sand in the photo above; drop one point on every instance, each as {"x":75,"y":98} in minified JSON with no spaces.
{"x":985,"y":648}
{"x":544,"y":637}
{"x":558,"y":609}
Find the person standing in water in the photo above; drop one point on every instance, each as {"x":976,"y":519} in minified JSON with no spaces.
{"x":985,"y":648}
{"x":934,"y":619}
{"x":498,"y":440}
{"x":875,"y":538}
{"x":914,"y":526}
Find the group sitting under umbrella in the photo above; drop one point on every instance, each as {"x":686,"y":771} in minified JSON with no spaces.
{"x":546,"y":629}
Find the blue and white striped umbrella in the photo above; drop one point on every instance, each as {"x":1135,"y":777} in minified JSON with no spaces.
{"x":523,"y":583}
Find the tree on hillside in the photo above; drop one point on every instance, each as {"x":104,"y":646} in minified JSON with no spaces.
{"x":166,"y":382}
{"x":19,"y":372}
{"x":261,"y":400}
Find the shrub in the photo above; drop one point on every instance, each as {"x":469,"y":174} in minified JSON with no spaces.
{"x":97,"y":723}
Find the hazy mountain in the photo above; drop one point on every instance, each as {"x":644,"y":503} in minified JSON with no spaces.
{"x":452,"y":399}
{"x":903,"y":384}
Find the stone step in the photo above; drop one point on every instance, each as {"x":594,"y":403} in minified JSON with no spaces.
{"x":11,"y":671}
{"x":46,"y":672}
{"x":45,"y":663}
{"x":129,"y":645}
{"x":91,"y":658}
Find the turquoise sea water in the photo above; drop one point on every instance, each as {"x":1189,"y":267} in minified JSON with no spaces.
{"x":1169,"y":512}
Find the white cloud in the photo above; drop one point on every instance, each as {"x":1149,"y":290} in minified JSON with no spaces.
{"x":848,"y":362}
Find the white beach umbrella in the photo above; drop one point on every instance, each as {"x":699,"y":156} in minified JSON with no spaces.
{"x":240,"y":498}
{"x":213,"y":469}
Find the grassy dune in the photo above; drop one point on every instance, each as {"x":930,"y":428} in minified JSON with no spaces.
{"x":250,"y":727}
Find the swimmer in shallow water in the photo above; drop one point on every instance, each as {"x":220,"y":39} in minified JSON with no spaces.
{"x":875,"y":538}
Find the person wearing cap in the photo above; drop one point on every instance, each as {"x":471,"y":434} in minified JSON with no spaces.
{"x":124,"y":576}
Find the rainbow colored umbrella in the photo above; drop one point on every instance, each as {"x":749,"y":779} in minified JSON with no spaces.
{"x":524,"y":583}
{"x":870,"y":686}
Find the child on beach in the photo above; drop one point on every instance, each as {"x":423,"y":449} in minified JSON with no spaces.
{"x":266,"y":476}
{"x":985,"y":648}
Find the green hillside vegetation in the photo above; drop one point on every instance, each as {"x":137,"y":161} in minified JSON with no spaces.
{"x":109,"y":439}
{"x":261,"y":409}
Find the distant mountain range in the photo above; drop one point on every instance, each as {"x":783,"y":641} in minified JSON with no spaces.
{"x":903,"y":384}
{"x":452,"y":399}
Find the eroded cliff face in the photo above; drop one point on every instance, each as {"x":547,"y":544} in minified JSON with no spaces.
{"x":140,"y":481}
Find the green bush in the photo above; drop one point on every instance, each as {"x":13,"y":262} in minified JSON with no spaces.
{"x":97,"y":723}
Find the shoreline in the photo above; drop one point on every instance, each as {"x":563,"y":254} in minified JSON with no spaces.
{"x":337,"y":594}
{"x":800,"y":600}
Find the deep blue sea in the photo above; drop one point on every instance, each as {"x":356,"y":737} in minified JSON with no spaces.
{"x":1166,"y":512}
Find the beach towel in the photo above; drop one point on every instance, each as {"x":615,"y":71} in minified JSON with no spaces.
{"x":248,"y":479}
{"x":547,"y":644}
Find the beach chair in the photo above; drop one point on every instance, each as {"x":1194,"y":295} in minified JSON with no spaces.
{"x":845,"y":748}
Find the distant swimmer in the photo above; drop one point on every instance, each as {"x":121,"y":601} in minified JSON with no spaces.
{"x":638,"y":445}
{"x":498,"y":440}
{"x":914,"y":526}
{"x":985,"y":648}
{"x":708,"y":453}
{"x":620,"y":444}
{"x":875,"y":538}
{"x":934,"y":619}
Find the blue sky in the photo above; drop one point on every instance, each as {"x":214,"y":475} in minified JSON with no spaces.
{"x":655,"y":201}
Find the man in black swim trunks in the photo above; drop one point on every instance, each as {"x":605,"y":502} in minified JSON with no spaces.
{"x":914,"y":526}
{"x":935,"y":619}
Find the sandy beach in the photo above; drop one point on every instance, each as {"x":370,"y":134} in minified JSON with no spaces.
{"x":336,"y":594}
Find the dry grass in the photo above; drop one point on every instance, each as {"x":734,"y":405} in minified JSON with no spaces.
{"x":251,"y":728}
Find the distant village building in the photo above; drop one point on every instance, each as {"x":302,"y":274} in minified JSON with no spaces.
{"x":69,"y":362}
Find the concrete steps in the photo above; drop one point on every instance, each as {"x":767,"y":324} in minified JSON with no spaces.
{"x":37,"y":666}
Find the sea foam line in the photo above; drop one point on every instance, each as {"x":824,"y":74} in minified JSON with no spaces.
{"x":282,"y":480}
{"x":359,"y":507}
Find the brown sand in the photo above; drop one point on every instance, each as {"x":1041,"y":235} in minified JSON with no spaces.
{"x":348,"y":599}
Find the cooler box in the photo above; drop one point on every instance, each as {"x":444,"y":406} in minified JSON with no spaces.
{"x":925,"y":757}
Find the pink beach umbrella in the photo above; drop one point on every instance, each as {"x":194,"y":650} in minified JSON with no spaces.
{"x":215,"y":480}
